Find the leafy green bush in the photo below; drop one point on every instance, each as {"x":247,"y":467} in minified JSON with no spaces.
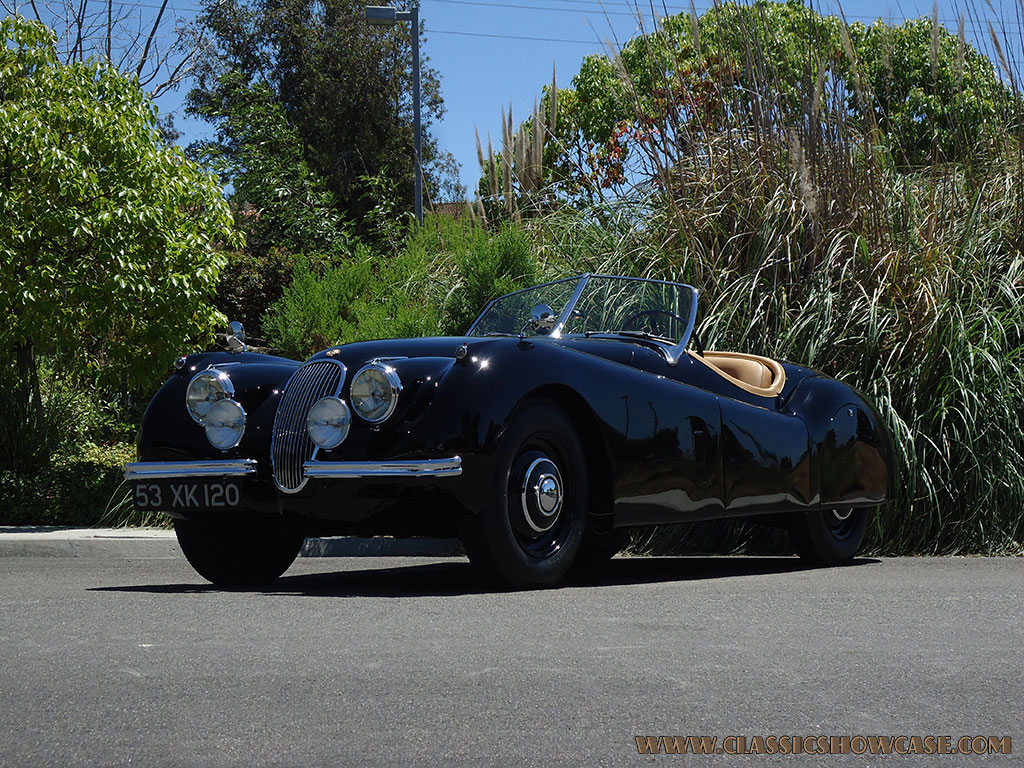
{"x":487,"y":266}
{"x":445,"y":273}
{"x":110,"y":241}
{"x":251,"y":283}
{"x":74,"y":490}
{"x":316,"y":309}
{"x":65,"y":468}
{"x":110,"y":246}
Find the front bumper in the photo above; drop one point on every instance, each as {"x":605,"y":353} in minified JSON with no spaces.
{"x":450,"y":467}
{"x":151,"y":470}
{"x":155,"y":470}
{"x":366,"y":498}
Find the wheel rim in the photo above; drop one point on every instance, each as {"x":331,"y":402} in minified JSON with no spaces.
{"x":539,"y":494}
{"x":840,"y":522}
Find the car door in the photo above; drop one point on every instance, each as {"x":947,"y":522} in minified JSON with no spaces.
{"x":766,"y":459}
{"x":673,"y":444}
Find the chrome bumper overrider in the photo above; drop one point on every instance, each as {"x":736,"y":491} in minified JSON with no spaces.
{"x":412,"y":468}
{"x":146,"y":470}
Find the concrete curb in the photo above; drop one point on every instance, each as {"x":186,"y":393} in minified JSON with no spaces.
{"x":353,"y":546}
{"x":42,"y":541}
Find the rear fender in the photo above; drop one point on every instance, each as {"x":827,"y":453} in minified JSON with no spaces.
{"x":850,"y":444}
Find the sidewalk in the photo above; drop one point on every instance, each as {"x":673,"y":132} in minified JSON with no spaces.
{"x":42,"y":541}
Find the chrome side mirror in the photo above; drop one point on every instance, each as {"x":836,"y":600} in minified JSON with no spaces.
{"x":236,"y":337}
{"x":542,"y":319}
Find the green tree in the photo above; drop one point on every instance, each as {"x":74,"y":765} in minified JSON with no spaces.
{"x":341,"y":87}
{"x":277,"y":199}
{"x":934,"y":95}
{"x":109,"y":239}
{"x":766,"y":66}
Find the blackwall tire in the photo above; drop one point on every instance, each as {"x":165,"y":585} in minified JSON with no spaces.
{"x":239,"y":551}
{"x":530,"y":533}
{"x":830,"y":536}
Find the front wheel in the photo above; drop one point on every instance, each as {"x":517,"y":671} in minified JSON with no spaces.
{"x":239,"y":551}
{"x":531,"y":530}
{"x":829,"y":537}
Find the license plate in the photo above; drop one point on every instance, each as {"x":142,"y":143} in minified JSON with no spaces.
{"x":169,"y":495}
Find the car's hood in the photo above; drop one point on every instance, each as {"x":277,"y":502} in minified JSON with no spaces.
{"x":433,"y":346}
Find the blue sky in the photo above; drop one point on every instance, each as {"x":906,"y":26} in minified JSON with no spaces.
{"x":493,"y":53}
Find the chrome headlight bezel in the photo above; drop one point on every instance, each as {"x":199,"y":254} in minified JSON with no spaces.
{"x":341,"y":411}
{"x":391,"y":386}
{"x":233,"y":420}
{"x":219,"y":381}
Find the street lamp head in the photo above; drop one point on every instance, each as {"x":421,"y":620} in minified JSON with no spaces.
{"x":381,"y":15}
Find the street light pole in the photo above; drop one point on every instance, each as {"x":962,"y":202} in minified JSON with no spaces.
{"x":389,"y":16}
{"x":416,"y":108}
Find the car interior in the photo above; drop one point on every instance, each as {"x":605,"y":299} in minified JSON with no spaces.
{"x":755,"y":374}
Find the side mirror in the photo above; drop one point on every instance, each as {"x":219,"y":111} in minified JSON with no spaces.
{"x":542,"y":319}
{"x":236,"y":337}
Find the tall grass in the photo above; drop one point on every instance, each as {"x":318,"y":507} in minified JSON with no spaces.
{"x":811,"y":242}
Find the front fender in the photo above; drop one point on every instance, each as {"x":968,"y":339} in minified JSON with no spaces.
{"x":168,"y":432}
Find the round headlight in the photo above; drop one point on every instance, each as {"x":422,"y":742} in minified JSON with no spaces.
{"x":328,"y":422}
{"x":225,"y":423}
{"x":206,"y":388}
{"x":375,"y":391}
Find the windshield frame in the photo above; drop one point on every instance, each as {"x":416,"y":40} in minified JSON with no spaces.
{"x":672,"y":352}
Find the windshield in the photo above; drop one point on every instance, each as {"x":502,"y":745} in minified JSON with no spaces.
{"x":596,"y":304}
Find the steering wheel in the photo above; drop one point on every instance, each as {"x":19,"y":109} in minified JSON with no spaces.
{"x":649,"y":313}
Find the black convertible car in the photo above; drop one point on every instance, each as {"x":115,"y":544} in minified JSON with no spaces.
{"x":567,"y":413}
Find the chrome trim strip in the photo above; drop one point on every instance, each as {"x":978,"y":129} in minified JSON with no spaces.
{"x":675,"y":353}
{"x":556,"y":332}
{"x":151,"y":470}
{"x":409,"y":468}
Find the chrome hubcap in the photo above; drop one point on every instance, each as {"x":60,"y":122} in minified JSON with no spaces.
{"x":842,"y":514}
{"x":541,"y":497}
{"x":549,"y":495}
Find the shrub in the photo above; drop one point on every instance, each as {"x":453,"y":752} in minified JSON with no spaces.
{"x":437,"y":283}
{"x":250,"y":283}
{"x":74,"y":490}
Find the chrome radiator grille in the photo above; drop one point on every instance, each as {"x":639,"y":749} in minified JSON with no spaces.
{"x":290,"y":445}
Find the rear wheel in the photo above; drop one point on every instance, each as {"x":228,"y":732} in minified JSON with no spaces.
{"x":531,"y":531}
{"x":830,"y":536}
{"x":239,"y":551}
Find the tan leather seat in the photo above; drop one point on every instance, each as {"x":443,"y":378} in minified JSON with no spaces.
{"x":758,"y":375}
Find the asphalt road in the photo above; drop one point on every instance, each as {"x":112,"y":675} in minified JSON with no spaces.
{"x":403,"y":661}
